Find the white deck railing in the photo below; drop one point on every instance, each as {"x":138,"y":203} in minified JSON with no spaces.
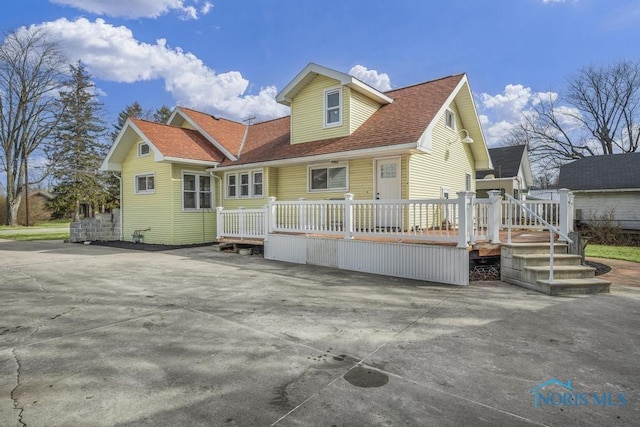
{"x":462,"y":221}
{"x":242,"y":223}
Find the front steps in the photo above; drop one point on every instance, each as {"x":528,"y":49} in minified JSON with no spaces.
{"x":527,"y":265}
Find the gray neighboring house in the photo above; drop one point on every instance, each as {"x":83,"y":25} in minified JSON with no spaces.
{"x":603,"y":184}
{"x":511,"y":172}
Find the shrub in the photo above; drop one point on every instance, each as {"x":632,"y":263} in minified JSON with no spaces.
{"x":603,"y":229}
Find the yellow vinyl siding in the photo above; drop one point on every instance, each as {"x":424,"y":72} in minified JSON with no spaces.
{"x":292,"y":182}
{"x":361,"y":109}
{"x":445,"y":166}
{"x":141,"y":211}
{"x":191,"y":226}
{"x":308,"y":115}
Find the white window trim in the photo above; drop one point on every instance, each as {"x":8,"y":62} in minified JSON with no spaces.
{"x":453,"y":119}
{"x":251,"y":174}
{"x":197,"y":191}
{"x":253,"y":183}
{"x":135,"y":183}
{"x":327,"y":166}
{"x":324,"y":110}
{"x":140,"y":154}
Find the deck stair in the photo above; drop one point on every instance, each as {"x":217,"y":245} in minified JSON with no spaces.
{"x":527,"y":265}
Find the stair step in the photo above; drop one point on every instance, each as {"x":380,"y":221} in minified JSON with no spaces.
{"x":541,"y":272}
{"x":531,"y":260}
{"x":574,"y":286}
{"x":535,"y":248}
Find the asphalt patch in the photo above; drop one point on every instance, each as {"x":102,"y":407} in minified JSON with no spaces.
{"x":366,"y":378}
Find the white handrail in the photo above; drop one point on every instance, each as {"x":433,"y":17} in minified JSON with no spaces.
{"x":552,"y":231}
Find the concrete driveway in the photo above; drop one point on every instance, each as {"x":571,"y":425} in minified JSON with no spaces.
{"x":101,"y":336}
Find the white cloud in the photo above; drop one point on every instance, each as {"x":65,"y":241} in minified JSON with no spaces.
{"x":113,"y":54}
{"x":503,"y":111}
{"x":380,"y":81}
{"x":138,"y":8}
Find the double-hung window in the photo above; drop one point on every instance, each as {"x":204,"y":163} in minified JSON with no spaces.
{"x":245,"y":184}
{"x":196,"y":191}
{"x":333,"y":107}
{"x":328,"y":178}
{"x":145,"y":183}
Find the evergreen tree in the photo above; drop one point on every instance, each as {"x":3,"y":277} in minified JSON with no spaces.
{"x":162,"y":114}
{"x":133,"y":110}
{"x":77,"y":149}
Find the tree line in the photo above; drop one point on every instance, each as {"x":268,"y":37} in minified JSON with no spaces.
{"x":49,"y":111}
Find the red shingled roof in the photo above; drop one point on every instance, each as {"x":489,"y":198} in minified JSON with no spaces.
{"x":401,"y":122}
{"x":173,"y":141}
{"x":227,"y":132}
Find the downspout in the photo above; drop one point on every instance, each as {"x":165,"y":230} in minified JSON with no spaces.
{"x":119,"y":178}
{"x":220,"y":186}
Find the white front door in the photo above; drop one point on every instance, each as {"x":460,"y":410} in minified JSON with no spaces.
{"x":388,"y":188}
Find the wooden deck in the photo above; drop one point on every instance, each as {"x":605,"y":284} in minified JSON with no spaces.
{"x":485,"y":247}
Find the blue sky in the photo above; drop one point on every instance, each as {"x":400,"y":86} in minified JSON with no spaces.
{"x":231,"y":57}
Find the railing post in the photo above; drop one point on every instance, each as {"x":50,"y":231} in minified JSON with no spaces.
{"x":470,"y":217}
{"x":494,"y":216}
{"x":348,"y":216}
{"x":564,"y":212}
{"x":302,"y":214}
{"x":219,"y":223}
{"x":271,"y":215}
{"x":462,"y":219}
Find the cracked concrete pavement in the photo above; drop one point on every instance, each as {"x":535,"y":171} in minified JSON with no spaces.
{"x":94,"y":335}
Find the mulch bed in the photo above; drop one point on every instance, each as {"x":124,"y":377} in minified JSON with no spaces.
{"x":146,"y":246}
{"x":600,"y":268}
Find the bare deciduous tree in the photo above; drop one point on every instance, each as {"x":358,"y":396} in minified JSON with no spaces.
{"x":600,"y":115}
{"x":31,"y":73}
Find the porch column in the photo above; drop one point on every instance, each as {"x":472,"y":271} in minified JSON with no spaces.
{"x":463,"y":218}
{"x":565,"y":216}
{"x":219,"y":223}
{"x":494,"y":216}
{"x":348,"y":216}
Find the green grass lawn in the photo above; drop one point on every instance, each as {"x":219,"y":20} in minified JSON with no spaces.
{"x":37,"y":236}
{"x":47,"y":230}
{"x":625,"y":253}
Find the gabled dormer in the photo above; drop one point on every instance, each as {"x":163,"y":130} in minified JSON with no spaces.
{"x":328,"y":104}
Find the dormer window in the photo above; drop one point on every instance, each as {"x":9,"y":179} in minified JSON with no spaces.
{"x":333,"y":106}
{"x":143,"y":149}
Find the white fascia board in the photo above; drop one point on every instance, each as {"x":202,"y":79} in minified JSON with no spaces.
{"x":285,"y":97}
{"x":345,"y":155}
{"x":109,"y":165}
{"x":157,"y":155}
{"x":369,"y":91}
{"x":191,"y":161}
{"x":209,"y":138}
